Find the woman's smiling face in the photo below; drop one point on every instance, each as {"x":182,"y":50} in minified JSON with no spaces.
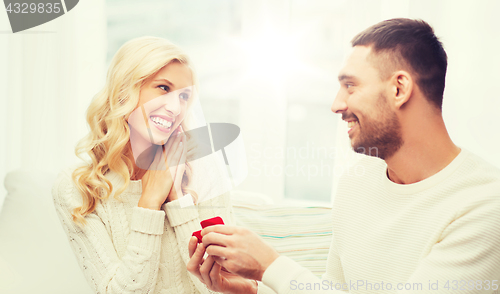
{"x":163,"y":102}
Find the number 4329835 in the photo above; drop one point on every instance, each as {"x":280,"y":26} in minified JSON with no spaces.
{"x":34,"y":8}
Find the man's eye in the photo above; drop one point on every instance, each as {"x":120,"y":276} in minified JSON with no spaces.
{"x":184,"y":96}
{"x":348,"y":86}
{"x":164,"y":88}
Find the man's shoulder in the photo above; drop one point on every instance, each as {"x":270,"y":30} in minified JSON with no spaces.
{"x":476,"y":174}
{"x":478,"y":188}
{"x":480,"y":164}
{"x":476,"y":166}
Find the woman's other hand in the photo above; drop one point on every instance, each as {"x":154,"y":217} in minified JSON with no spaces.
{"x":178,"y":168}
{"x":165,"y":173}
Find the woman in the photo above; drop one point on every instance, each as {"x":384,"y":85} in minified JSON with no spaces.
{"x":121,"y":209}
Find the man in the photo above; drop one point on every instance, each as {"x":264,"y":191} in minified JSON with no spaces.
{"x":424,"y":219}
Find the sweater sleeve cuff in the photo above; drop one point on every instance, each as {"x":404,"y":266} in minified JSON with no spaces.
{"x":280,"y":274}
{"x":147,"y":221}
{"x":177,"y":215}
{"x":263,"y":289}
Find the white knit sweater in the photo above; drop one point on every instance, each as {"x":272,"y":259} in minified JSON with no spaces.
{"x":128,"y":249}
{"x":439,"y":235}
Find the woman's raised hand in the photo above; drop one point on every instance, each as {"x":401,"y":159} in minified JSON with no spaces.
{"x":178,"y":169}
{"x":162,"y":182}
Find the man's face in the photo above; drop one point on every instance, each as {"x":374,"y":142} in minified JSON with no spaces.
{"x":374,"y":128}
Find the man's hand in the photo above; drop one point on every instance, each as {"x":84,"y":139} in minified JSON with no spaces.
{"x":210,"y":273}
{"x":239,"y":250}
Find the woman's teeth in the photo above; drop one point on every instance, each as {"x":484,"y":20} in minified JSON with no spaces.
{"x":352,"y":123}
{"x":160,"y":121}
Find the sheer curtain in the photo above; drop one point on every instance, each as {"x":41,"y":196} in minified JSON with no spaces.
{"x":48,"y":76}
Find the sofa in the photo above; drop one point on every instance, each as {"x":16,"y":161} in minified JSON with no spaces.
{"x":35,"y":256}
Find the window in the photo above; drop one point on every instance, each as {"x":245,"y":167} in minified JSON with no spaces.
{"x":268,"y":67}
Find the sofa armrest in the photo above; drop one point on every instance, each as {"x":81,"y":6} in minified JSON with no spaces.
{"x":34,"y":251}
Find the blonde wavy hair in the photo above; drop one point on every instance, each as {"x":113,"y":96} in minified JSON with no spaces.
{"x":107,"y":143}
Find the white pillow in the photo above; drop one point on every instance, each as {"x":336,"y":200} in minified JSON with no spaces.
{"x":35,"y":256}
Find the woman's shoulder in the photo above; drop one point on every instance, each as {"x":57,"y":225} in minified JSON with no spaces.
{"x":64,"y":191}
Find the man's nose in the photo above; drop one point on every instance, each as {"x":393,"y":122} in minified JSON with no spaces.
{"x":339,"y":105}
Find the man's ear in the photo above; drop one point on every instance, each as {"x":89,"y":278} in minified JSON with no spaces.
{"x":402,"y":83}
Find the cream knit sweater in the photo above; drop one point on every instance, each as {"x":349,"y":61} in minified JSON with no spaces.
{"x":439,"y":235}
{"x":128,"y":249}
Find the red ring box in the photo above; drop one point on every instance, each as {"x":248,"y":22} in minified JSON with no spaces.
{"x":211,"y":222}
{"x":207,"y":223}
{"x":197,"y":234}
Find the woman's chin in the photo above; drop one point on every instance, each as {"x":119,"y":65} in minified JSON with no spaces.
{"x":160,"y":140}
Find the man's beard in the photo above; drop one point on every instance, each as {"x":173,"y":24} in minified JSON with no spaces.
{"x":379,"y":138}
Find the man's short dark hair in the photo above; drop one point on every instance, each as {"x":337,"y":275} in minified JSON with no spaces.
{"x":409,"y":43}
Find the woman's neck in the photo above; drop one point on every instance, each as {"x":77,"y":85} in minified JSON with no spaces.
{"x":137,"y":173}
